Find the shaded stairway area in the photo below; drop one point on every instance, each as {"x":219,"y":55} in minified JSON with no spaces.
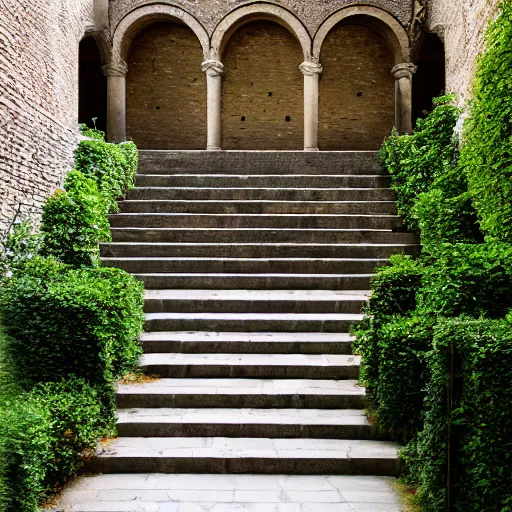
{"x":255,"y":265}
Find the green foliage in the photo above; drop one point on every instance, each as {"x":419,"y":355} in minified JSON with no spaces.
{"x":486,"y":157}
{"x":92,"y":133}
{"x":481,"y":422}
{"x":63,"y":321}
{"x":74,"y":222}
{"x":472,"y":279}
{"x":44,"y":434}
{"x":416,"y":161}
{"x":112,"y":166}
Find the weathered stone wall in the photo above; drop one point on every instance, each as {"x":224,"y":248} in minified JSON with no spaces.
{"x":166,"y":89}
{"x":38,"y":97}
{"x":357,"y":102}
{"x":461,"y":24}
{"x":263,"y":89}
{"x":310,"y":12}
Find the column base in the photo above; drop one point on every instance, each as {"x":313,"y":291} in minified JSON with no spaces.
{"x":311,"y":149}
{"x":213,"y":148}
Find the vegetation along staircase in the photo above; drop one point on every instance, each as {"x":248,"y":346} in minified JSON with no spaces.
{"x":255,"y":266}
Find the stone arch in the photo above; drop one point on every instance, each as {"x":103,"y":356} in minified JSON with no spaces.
{"x":258,"y":12}
{"x":391,"y":29}
{"x":138,"y":19}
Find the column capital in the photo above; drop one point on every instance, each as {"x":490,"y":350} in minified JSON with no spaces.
{"x":311,"y":68}
{"x":404,"y":70}
{"x":212,"y":67}
{"x":118,"y":68}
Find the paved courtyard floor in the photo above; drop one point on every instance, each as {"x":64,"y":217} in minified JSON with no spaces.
{"x":230,"y":493}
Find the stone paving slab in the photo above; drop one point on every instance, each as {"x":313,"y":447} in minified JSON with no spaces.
{"x":230,"y":493}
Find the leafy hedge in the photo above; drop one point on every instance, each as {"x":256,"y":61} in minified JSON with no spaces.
{"x":112,"y":166}
{"x":74,"y":222}
{"x":63,"y":321}
{"x":486,"y":158}
{"x":44,"y":435}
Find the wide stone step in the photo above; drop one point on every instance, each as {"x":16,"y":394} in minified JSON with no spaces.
{"x":259,"y":235}
{"x":251,"y":322}
{"x":256,"y":281}
{"x":246,"y":265}
{"x":262,"y":194}
{"x":259,"y":162}
{"x":255,"y":301}
{"x":266,"y":181}
{"x":200,"y":342}
{"x":248,"y":455}
{"x":243,"y":422}
{"x":262,"y":207}
{"x":230,"y":493}
{"x":254,"y":250}
{"x":254,"y":220}
{"x":232,"y":393}
{"x":263,"y":366}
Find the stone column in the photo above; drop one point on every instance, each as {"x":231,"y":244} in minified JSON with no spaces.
{"x":214,"y":70}
{"x":311,"y":71}
{"x":116,"y":100}
{"x":402,"y":73}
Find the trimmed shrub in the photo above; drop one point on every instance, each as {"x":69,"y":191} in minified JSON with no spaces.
{"x":416,"y":161}
{"x":471,"y":279}
{"x":92,"y":133}
{"x":44,"y":435}
{"x":107,"y":164}
{"x":64,"y":321}
{"x":481,"y":421}
{"x":131,"y":155}
{"x":486,"y":157}
{"x":74,"y":222}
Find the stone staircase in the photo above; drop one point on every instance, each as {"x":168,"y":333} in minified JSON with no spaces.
{"x":255,"y":265}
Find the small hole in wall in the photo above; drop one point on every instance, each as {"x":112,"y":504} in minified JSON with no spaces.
{"x":157,"y":108}
{"x":242,"y":118}
{"x":359,"y":94}
{"x":270,"y":94}
{"x":287,"y":119}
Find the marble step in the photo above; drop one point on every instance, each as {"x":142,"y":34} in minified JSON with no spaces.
{"x":256,"y":281}
{"x":261,"y":235}
{"x":248,"y":393}
{"x":244,"y":422}
{"x":148,"y":492}
{"x":261,"y":207}
{"x":254,"y":220}
{"x":247,"y":455}
{"x":246,"y":265}
{"x":209,"y":342}
{"x":259,"y":162}
{"x":262,"y":366}
{"x":264,"y":180}
{"x":255,"y":250}
{"x":251,"y":322}
{"x":255,"y":301}
{"x":262,"y":194}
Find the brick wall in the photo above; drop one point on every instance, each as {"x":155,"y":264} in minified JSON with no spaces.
{"x":357,"y":107}
{"x":463,"y":24}
{"x":263,"y":89}
{"x":38,"y":97}
{"x":166,"y":89}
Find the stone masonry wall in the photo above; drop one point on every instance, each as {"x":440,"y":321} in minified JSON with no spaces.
{"x":461,"y":23}
{"x":38,"y":97}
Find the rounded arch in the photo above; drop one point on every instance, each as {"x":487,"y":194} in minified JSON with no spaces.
{"x":395,"y":35}
{"x":138,"y":19}
{"x":257,"y":12}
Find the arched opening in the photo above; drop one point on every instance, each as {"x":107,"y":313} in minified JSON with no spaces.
{"x":92,"y":86}
{"x":430,"y":79}
{"x":166,"y":89}
{"x":357,"y":90}
{"x":263,"y":89}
